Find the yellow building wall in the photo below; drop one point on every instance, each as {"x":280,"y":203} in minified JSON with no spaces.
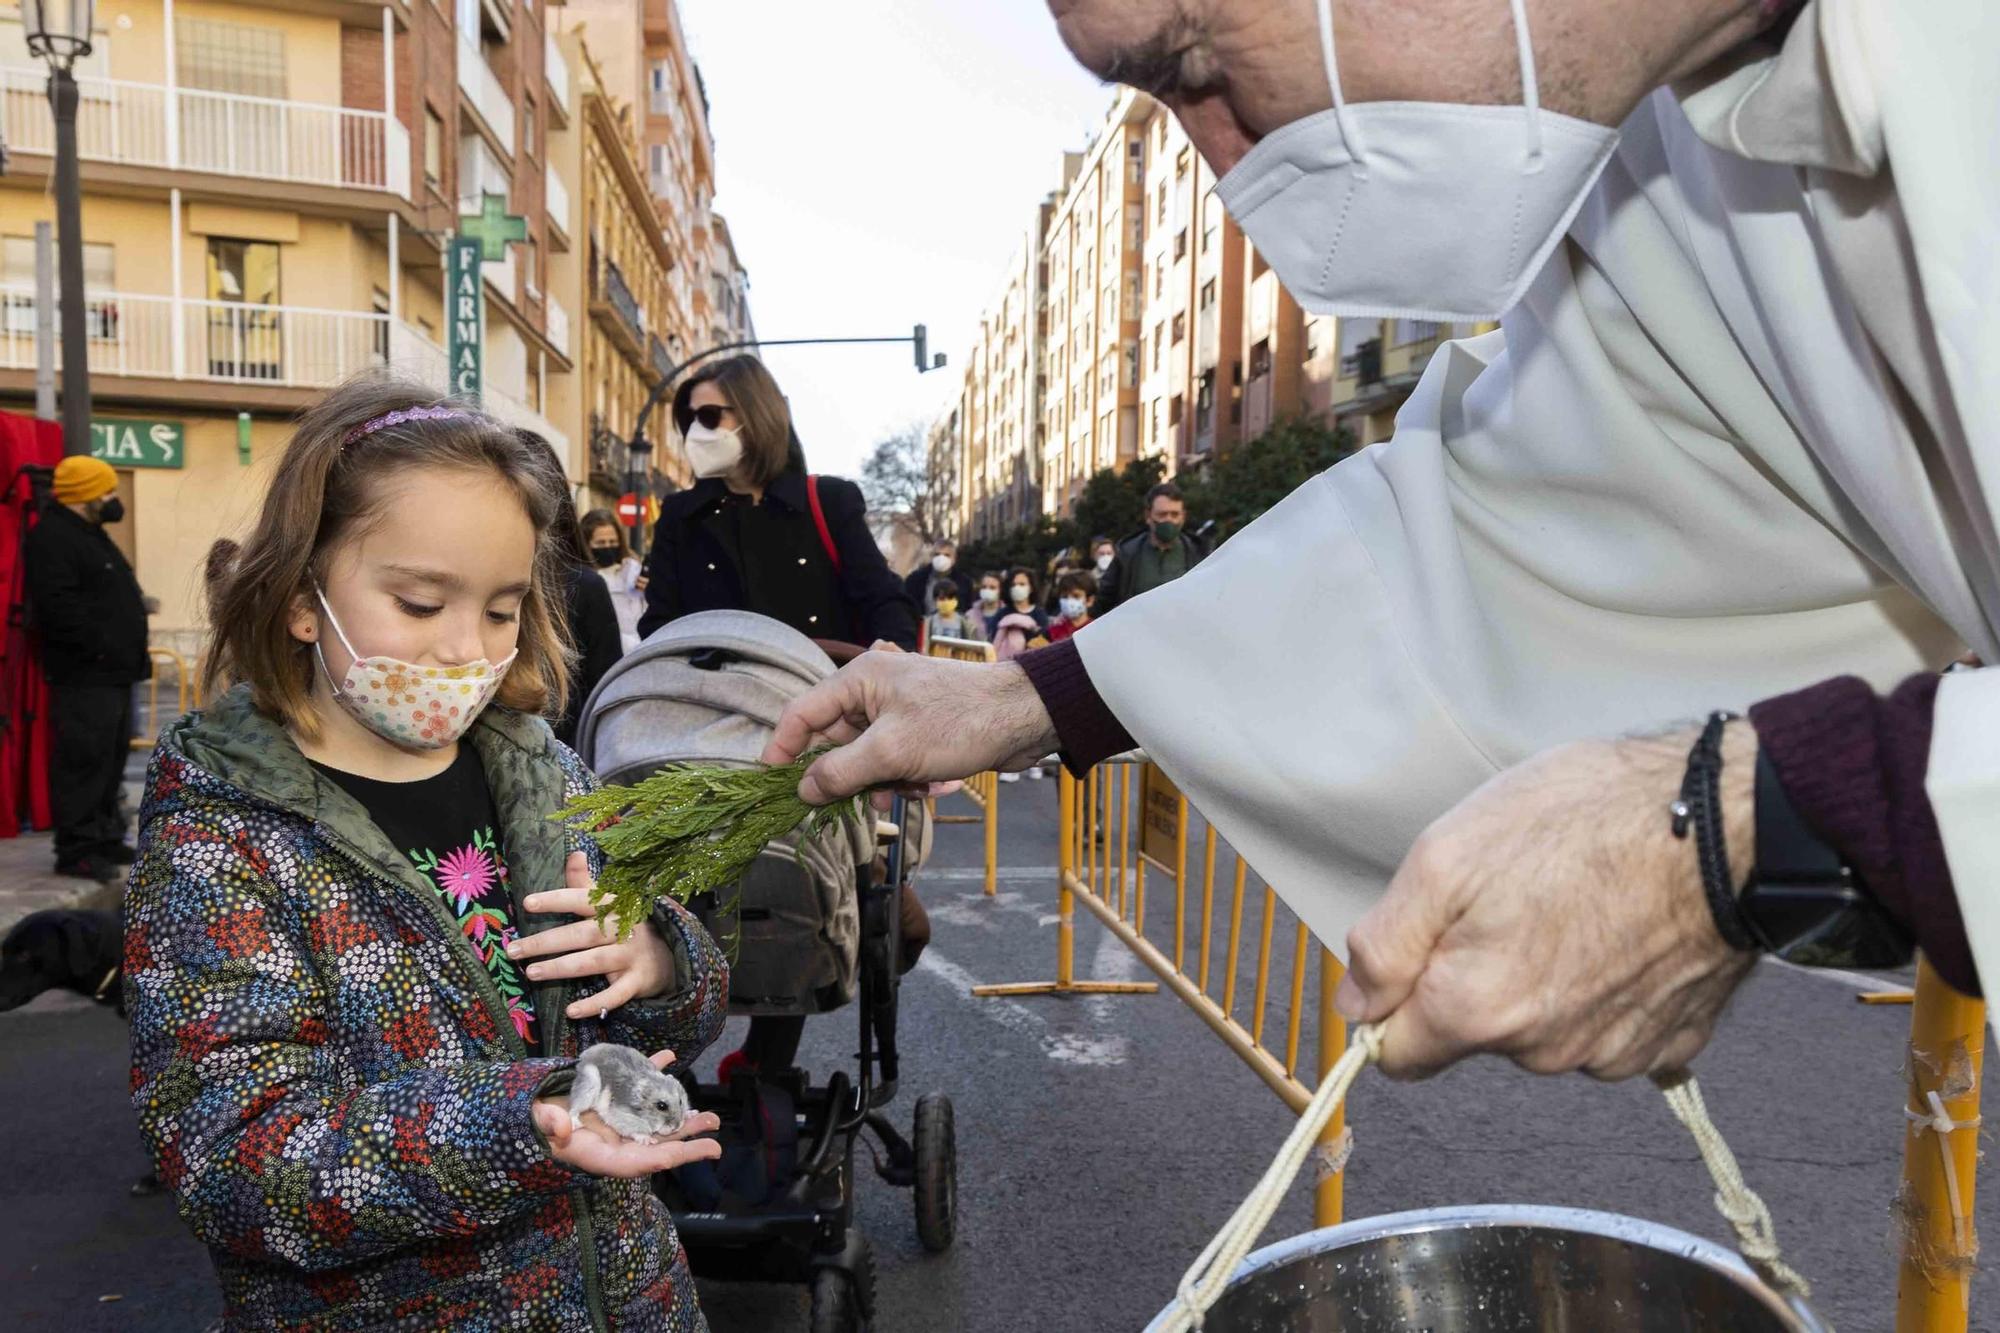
{"x":138,"y":46}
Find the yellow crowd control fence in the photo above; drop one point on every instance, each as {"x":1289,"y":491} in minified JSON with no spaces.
{"x":982,"y":789}
{"x":187,"y":693}
{"x":1124,"y":833}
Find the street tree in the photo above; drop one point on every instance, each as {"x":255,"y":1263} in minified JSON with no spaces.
{"x":899,"y":483}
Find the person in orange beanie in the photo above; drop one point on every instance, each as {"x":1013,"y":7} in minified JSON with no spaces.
{"x":90,"y":618}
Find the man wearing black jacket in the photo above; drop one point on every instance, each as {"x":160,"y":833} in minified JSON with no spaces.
{"x":1158,"y":553}
{"x":91,"y":618}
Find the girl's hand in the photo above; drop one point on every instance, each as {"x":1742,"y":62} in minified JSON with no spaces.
{"x":595,"y":1147}
{"x":636,"y":968}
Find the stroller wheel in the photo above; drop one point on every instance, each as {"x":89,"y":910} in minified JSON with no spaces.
{"x":936,"y":1145}
{"x":841,"y":1298}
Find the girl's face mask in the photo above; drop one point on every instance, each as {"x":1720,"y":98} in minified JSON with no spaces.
{"x":416,"y":707}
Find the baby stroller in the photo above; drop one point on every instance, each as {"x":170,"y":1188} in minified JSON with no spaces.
{"x":811,"y":928}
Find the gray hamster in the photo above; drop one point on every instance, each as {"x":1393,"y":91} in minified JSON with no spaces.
{"x":631,"y":1096}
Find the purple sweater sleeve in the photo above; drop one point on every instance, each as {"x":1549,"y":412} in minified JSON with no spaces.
{"x":1853,"y":763}
{"x":1085,"y":728}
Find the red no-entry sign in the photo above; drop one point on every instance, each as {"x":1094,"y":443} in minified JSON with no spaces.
{"x":628,"y":509}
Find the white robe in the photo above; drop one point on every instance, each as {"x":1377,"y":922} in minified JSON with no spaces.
{"x":1742,"y":434}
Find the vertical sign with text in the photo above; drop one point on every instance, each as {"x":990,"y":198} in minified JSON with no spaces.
{"x":467,"y":315}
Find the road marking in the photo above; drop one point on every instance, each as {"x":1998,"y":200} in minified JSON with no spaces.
{"x":979,"y":873}
{"x":1072,"y":1048}
{"x":1860,"y":981}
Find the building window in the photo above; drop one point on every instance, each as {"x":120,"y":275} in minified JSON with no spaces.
{"x":1415,"y":331}
{"x":1174,"y":411}
{"x":433,"y":149}
{"x":1161,"y":218}
{"x":1260,"y":358}
{"x":1204,"y":403}
{"x":1208,"y":294}
{"x":1180,"y":244}
{"x":100,"y":318}
{"x":1180,"y":327}
{"x":245,"y":333}
{"x":1138,"y":227}
{"x":1159,"y":343}
{"x":230,"y":57}
{"x":1132,"y":365}
{"x":528,"y":128}
{"x":379,"y":331}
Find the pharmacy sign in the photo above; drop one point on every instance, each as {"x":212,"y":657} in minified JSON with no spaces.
{"x":482,"y":238}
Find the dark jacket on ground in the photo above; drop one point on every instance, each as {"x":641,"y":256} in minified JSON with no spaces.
{"x":331,"y":1084}
{"x":918,"y":586}
{"x":593,"y":625}
{"x":785,"y":572}
{"x":85,"y":603}
{"x":1111,"y":589}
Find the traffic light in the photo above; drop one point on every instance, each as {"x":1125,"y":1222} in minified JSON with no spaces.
{"x":921,"y":337}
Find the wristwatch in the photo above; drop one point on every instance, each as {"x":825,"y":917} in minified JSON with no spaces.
{"x":1803,"y":902}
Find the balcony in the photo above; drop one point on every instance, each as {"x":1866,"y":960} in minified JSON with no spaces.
{"x":558,"y":75}
{"x":488,"y":99}
{"x":156,"y":337}
{"x":556,"y":197}
{"x":259,"y":138}
{"x":657,"y":358}
{"x":612,"y":301}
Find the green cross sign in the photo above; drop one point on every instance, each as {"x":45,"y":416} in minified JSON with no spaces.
{"x":493,"y":228}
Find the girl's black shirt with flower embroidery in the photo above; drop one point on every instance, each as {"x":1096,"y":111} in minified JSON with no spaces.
{"x":445,"y":825}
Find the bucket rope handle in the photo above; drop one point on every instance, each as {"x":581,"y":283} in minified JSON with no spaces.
{"x":1203,"y":1283}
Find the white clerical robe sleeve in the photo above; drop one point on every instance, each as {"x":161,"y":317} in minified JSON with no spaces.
{"x":1594,"y":521}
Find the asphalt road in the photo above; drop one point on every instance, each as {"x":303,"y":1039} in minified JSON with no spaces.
{"x":1101,"y":1140}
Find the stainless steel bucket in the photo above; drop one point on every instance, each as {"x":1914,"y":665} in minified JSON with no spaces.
{"x":1498,"y":1269}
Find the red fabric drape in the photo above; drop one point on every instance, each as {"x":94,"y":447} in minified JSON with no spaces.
{"x":24,"y":724}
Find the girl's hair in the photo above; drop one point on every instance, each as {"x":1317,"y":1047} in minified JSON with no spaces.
{"x":769,"y":444}
{"x":329,"y":486}
{"x":999,"y":576}
{"x":604,"y":518}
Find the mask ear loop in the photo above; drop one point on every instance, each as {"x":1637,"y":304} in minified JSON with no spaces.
{"x":1531,"y":95}
{"x":1350,"y":132}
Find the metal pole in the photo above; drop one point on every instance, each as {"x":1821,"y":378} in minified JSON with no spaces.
{"x":69,"y":235}
{"x":1940,"y":1164}
{"x":45,"y":322}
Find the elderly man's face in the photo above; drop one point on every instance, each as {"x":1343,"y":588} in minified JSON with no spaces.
{"x":1233,"y":71}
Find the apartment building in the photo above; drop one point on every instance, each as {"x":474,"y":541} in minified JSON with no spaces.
{"x":624,"y":261}
{"x":1092,"y":255}
{"x":267,"y":193}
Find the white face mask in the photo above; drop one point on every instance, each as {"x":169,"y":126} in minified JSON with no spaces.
{"x":1415,"y":210}
{"x":990,"y":596}
{"x":416,"y":707}
{"x":1021,"y":594}
{"x":1103,"y":562}
{"x":1072,"y":608}
{"x":713,"y":453}
{"x":941,"y":563}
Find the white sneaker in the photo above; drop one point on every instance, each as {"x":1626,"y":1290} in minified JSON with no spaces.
{"x":1036,"y":773}
{"x":1010,"y":777}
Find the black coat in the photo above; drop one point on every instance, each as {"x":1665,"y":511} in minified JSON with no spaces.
{"x":85,"y":603}
{"x":1111,"y":587}
{"x":788,"y":574}
{"x":593,"y":628}
{"x":918,"y":586}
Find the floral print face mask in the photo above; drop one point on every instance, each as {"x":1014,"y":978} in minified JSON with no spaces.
{"x":417,"y":707}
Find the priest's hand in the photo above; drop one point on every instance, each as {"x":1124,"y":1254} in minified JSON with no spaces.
{"x":909,"y":721}
{"x":1553,"y":917}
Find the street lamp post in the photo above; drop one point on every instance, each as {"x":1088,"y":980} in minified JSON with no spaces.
{"x":59,"y":32}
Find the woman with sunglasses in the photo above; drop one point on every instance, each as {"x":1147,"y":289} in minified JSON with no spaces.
{"x":756,"y":533}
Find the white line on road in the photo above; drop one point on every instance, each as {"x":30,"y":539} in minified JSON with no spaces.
{"x":1860,"y":981}
{"x":1074,"y":1048}
{"x":979,"y":873}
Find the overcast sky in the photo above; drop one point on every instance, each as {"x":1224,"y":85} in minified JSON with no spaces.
{"x":877,"y":161}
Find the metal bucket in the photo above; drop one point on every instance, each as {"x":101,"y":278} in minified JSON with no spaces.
{"x":1496,"y":1269}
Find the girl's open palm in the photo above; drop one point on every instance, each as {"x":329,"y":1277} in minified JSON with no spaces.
{"x":596,"y":1148}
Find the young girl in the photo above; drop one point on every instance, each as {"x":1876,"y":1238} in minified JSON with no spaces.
{"x":360,"y":958}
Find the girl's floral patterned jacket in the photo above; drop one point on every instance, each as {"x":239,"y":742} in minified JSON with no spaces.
{"x":329,"y":1081}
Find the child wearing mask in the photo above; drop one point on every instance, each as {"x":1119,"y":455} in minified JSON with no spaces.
{"x":990,"y":609}
{"x":360,"y":959}
{"x":948,"y":622}
{"x":1075,"y":592}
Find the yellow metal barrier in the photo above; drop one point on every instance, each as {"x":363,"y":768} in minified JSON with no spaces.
{"x":1940,"y":1159}
{"x":982,"y":789}
{"x":185,"y":686}
{"x":1104,"y":862}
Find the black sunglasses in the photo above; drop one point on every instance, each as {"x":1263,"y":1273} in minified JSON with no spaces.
{"x":710,"y":416}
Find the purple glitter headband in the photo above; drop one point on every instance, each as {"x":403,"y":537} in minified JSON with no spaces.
{"x":399,"y":417}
